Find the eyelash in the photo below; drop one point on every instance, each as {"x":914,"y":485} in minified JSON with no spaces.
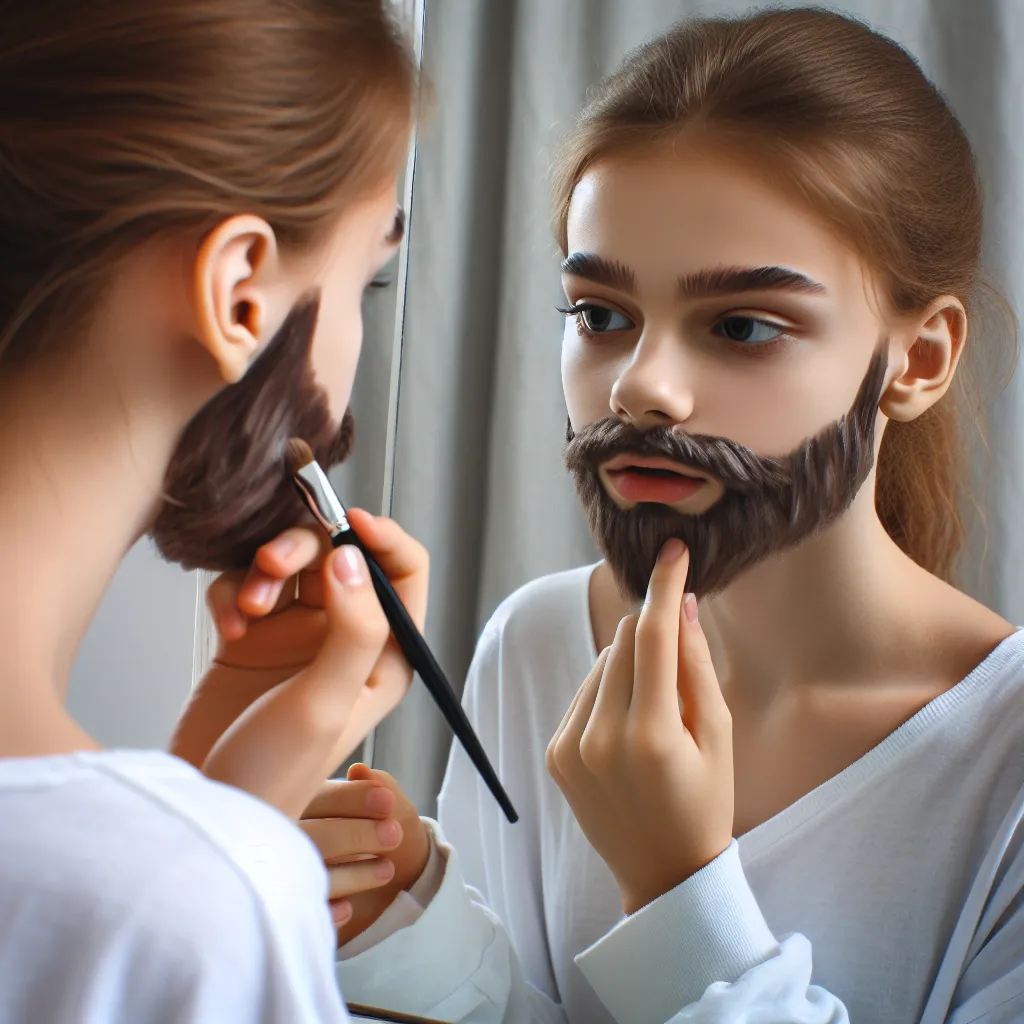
{"x":756,"y":351}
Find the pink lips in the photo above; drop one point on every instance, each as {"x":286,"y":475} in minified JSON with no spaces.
{"x":642,"y":478}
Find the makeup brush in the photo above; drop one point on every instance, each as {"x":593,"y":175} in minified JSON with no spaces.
{"x":322,"y":500}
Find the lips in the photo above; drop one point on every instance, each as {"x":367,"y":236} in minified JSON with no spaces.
{"x":642,"y":478}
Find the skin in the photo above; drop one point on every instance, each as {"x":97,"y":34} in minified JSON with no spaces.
{"x":861,"y":638}
{"x":90,"y":436}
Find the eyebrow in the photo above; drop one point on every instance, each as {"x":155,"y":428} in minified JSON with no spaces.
{"x":397,"y":232}
{"x":596,"y":268}
{"x":732,"y":280}
{"x":702,"y":284}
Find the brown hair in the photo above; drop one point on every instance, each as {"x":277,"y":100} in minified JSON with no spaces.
{"x":851,"y":121}
{"x":123,"y":118}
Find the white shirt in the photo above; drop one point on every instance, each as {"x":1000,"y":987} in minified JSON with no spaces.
{"x":135,"y":891}
{"x":903,"y":874}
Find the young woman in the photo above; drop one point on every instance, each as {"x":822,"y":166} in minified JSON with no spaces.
{"x":772,"y":229}
{"x":195,"y":195}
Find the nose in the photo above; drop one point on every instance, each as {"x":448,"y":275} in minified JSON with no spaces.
{"x":655,"y":388}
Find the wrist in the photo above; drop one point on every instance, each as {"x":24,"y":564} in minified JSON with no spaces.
{"x":637,"y":893}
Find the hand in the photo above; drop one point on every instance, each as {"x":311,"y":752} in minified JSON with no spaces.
{"x":651,"y":784}
{"x":272,"y":624}
{"x":372,"y":841}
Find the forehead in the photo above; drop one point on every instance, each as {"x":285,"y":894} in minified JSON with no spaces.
{"x":665,"y":213}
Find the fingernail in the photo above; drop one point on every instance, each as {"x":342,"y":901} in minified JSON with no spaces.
{"x":389,"y":832}
{"x":690,"y":608}
{"x":385,"y":869}
{"x":673,"y":548}
{"x":341,"y":911}
{"x":283,"y":546}
{"x":259,"y":593}
{"x":350,"y":566}
{"x":379,"y":800}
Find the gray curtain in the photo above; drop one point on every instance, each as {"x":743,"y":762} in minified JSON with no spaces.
{"x":478,"y":471}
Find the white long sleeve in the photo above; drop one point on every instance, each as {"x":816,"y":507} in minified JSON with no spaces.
{"x":894,"y":892}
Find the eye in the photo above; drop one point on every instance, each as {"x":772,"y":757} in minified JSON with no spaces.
{"x":748,"y":330}
{"x":594,"y":319}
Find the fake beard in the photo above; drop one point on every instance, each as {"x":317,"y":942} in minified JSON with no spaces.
{"x":227,"y":489}
{"x":768,"y":506}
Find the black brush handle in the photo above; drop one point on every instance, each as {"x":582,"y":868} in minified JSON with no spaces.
{"x":419,"y":656}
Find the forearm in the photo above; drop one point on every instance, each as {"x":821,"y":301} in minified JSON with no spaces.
{"x":281,"y":747}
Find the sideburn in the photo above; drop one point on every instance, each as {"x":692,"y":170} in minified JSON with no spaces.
{"x":227,"y":490}
{"x":770,"y":504}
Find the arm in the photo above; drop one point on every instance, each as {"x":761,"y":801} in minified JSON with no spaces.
{"x":286,"y":742}
{"x":644,"y":758}
{"x":456,"y":960}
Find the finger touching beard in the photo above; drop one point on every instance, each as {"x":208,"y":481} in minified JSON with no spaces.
{"x":227,"y":490}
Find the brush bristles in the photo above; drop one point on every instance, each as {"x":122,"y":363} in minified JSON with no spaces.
{"x":298,"y":454}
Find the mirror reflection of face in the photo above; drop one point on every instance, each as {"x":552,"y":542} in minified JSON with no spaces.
{"x":711,"y":304}
{"x":226,"y":490}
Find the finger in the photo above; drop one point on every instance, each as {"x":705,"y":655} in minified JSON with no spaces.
{"x":584,"y":706}
{"x":705,"y":713}
{"x":338,"y":798}
{"x":598,"y":668}
{"x":301,"y":547}
{"x":339,"y":839}
{"x":222,"y":603}
{"x":260,"y":593}
{"x":354,"y":639}
{"x":657,"y":635}
{"x":616,"y":689}
{"x":404,"y":560}
{"x":341,"y":912}
{"x":352,"y":879}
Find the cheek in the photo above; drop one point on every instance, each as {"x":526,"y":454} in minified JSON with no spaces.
{"x":336,"y":346}
{"x":587,"y":379}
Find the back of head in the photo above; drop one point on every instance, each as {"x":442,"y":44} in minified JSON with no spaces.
{"x":847,"y":118}
{"x":120,"y":119}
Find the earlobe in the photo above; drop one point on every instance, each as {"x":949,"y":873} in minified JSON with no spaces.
{"x":232,"y":277}
{"x":929,"y":361}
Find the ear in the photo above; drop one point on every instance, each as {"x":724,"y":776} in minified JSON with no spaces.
{"x":930,"y":354}
{"x":234,"y":273}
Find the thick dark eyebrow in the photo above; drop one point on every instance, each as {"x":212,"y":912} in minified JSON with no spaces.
{"x":397,"y":232}
{"x":732,"y":280}
{"x":596,"y":268}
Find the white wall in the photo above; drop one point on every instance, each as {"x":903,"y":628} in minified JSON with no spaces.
{"x":134,"y":669}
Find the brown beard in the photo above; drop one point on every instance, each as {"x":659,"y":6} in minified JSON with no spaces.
{"x":769,"y":504}
{"x":227,"y":489}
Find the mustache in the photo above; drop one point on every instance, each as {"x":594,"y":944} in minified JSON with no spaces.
{"x":736,"y":466}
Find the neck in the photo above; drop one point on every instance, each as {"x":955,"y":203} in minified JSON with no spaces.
{"x":80,"y":476}
{"x":827,"y":610}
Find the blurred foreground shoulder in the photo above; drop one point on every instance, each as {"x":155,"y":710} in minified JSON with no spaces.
{"x":134,"y":889}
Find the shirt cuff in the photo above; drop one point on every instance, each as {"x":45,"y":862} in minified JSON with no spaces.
{"x":405,"y":909}
{"x":662,"y":958}
{"x":422,"y":964}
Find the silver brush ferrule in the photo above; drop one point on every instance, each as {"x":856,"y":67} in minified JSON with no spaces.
{"x":322,"y":500}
